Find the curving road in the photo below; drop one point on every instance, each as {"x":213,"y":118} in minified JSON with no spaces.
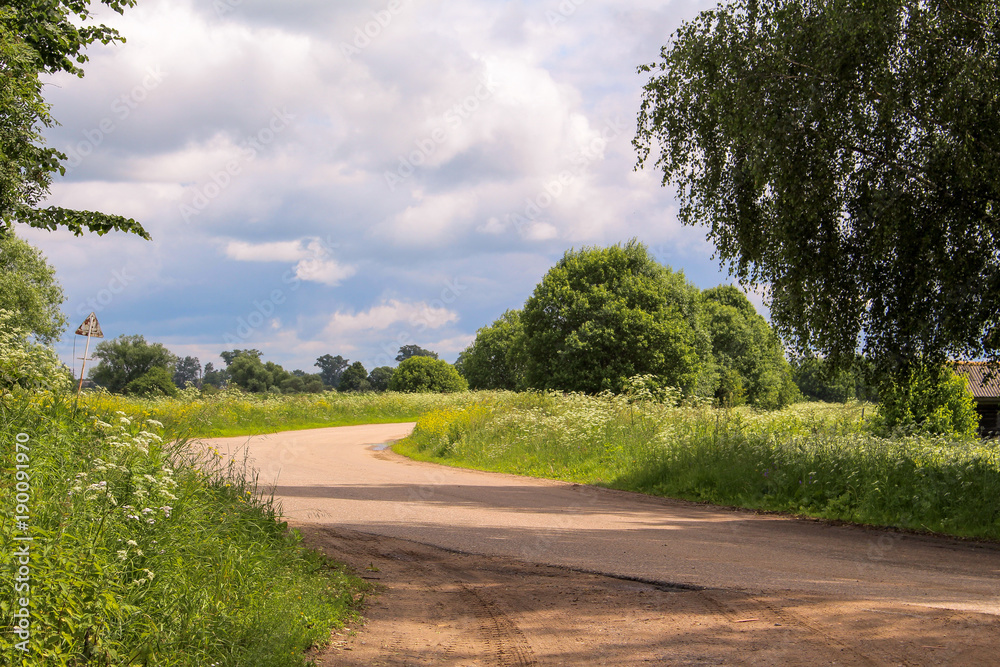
{"x":340,"y":478}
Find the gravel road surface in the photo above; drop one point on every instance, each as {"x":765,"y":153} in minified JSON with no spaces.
{"x":489,"y":569}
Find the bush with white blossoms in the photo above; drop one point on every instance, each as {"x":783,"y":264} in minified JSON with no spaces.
{"x":26,"y":364}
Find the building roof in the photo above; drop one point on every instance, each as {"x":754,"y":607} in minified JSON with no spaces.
{"x":982,"y":383}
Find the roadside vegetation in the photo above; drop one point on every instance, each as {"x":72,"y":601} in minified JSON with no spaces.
{"x":232,"y":412}
{"x":813,"y":459}
{"x":141,"y":555}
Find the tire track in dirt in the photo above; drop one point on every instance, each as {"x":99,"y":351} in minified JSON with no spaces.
{"x":439,"y":607}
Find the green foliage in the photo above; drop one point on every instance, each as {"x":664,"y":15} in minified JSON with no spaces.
{"x":751,"y":361}
{"x":28,"y":289}
{"x":145,"y":554}
{"x":331,"y":369}
{"x":26,"y":364}
{"x":305,"y":383}
{"x":380,"y":378}
{"x":40,"y":38}
{"x":847,"y":154}
{"x":214,"y":378}
{"x":408,"y":351}
{"x":154,"y":382}
{"x":187,"y":370}
{"x":930,"y":400}
{"x":354,"y":378}
{"x":813,"y":459}
{"x":128,"y":358}
{"x":603,"y":315}
{"x":249,"y":373}
{"x":819,"y":381}
{"x":494,"y":359}
{"x":425,"y":374}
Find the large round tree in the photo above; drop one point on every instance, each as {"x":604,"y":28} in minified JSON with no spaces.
{"x":603,"y":315}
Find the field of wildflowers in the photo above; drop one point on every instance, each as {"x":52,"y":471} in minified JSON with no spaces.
{"x":233,"y":413}
{"x":812,"y":459}
{"x":126,"y":552}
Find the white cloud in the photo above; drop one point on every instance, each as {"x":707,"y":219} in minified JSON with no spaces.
{"x":499,"y":103}
{"x":282,"y":251}
{"x":311,"y":257}
{"x":388,"y":314}
{"x":326,"y":272}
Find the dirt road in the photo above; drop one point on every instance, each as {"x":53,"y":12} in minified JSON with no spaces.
{"x":486,"y":569}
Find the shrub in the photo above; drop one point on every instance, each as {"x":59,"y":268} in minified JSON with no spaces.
{"x":930,"y":400}
{"x":423,"y":374}
{"x":154,"y":382}
{"x":26,"y":364}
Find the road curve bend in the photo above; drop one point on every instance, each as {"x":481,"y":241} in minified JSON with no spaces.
{"x":343,"y":478}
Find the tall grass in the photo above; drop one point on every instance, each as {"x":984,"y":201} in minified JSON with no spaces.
{"x":233,"y":413}
{"x":142,"y":556}
{"x":812,"y":459}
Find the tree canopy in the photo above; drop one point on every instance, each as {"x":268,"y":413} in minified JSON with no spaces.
{"x":420,"y":374}
{"x":493,"y":361}
{"x":355,"y":378}
{"x":847,"y":155}
{"x":331,"y":368}
{"x":29,"y":289}
{"x":380,"y":378}
{"x":39,"y":37}
{"x":407,"y":351}
{"x":127,"y":358}
{"x":603,"y":315}
{"x":749,"y":355}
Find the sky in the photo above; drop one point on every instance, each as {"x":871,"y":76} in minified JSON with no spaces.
{"x":350,"y":177}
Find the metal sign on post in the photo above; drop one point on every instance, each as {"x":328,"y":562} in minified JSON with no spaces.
{"x":90,"y":328}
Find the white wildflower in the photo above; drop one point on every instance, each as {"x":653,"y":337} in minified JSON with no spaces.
{"x":132,"y":543}
{"x":122,"y":554}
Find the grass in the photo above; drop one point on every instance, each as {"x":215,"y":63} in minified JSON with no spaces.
{"x":142,"y":556}
{"x":811,"y":459}
{"x":233,"y":413}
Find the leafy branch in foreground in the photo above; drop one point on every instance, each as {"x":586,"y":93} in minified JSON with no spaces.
{"x":41,"y":37}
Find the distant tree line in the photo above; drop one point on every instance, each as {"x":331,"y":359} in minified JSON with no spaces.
{"x":131,"y":365}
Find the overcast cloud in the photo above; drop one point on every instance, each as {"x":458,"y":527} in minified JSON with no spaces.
{"x":350,"y":177}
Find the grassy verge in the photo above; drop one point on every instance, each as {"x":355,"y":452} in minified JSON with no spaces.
{"x":233,"y":413}
{"x":139,"y":556}
{"x":811,"y":459}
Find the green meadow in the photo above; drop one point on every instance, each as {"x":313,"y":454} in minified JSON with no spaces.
{"x":233,"y":413}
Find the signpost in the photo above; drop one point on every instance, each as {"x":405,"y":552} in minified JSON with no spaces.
{"x":90,"y":328}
